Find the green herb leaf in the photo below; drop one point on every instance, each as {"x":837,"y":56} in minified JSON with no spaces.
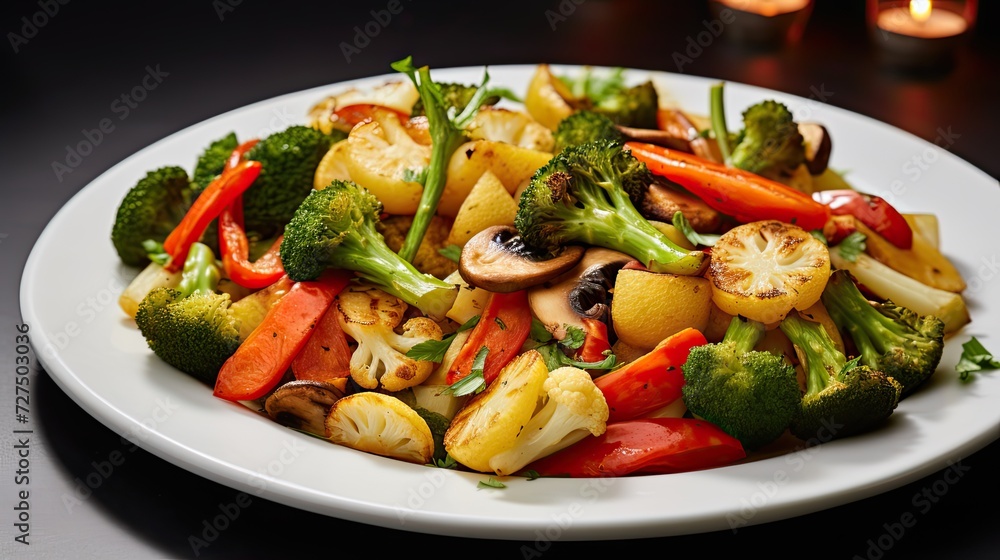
{"x":448,"y":462}
{"x":538,"y":331}
{"x":451,"y":252}
{"x":431,"y":350}
{"x":415,"y":175}
{"x":470,"y":323}
{"x":500,"y":323}
{"x":532,"y":475}
{"x":818,"y":234}
{"x":434,"y":350}
{"x":706,"y":239}
{"x":555,"y":358}
{"x":156,"y":252}
{"x":852,"y":246}
{"x":975,"y":357}
{"x":574,"y":337}
{"x":491,"y":483}
{"x":849,"y":366}
{"x":474,"y":382}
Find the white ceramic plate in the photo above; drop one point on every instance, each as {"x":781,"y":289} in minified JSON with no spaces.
{"x":99,"y":358}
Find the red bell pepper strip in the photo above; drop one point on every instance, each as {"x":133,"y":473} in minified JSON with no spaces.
{"x":219,"y":194}
{"x":263,"y":358}
{"x":873,"y":211}
{"x":645,"y":446}
{"x":652,"y":381}
{"x":746,"y":196}
{"x":502,"y":328}
{"x":595,"y":341}
{"x":326,"y":354}
{"x":237,"y":156}
{"x":235,"y":249}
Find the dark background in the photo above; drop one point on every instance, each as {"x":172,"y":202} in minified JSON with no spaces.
{"x":65,"y":77}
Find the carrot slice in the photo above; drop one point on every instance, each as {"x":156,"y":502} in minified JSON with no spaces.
{"x":326,"y":354}
{"x":264,"y":357}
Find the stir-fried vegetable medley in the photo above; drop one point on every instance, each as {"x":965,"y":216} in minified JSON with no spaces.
{"x":579,"y":281}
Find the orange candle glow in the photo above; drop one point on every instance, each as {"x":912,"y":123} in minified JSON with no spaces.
{"x":769,"y":8}
{"x":922,"y":20}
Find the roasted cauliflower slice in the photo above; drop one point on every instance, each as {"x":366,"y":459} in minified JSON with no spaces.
{"x":512,"y":127}
{"x":763,"y":270}
{"x":380,"y":424}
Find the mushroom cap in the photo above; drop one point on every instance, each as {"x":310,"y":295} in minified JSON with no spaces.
{"x":497,"y":260}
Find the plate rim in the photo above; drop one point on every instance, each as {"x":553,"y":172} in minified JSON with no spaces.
{"x":211,"y":467}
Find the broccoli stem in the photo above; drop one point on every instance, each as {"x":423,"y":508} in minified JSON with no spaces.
{"x":446,"y":137}
{"x":820,"y":354}
{"x":201,"y":272}
{"x":621,"y":227}
{"x":743,"y":334}
{"x":369,"y":256}
{"x":719,"y":128}
{"x":872,"y":332}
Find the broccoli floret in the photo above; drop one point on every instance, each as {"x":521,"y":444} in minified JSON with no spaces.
{"x":636,"y":106}
{"x":608,"y":95}
{"x":582,"y":127}
{"x":150,"y":210}
{"x":336,"y":227}
{"x":770,"y":143}
{"x":589,"y":194}
{"x":842,"y":397}
{"x":889,"y":338}
{"x":288,"y":164}
{"x":438,"y":425}
{"x":752,"y":395}
{"x":455,"y":98}
{"x":191,"y":327}
{"x":212,"y":161}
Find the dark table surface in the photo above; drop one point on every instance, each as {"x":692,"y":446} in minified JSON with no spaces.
{"x":63,"y":73}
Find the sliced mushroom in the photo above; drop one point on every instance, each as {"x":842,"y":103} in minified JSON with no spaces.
{"x":661,"y":202}
{"x":818,"y":146}
{"x":665,"y":138}
{"x":582,"y":292}
{"x":497,"y":260}
{"x":303,"y":405}
{"x":678,"y":124}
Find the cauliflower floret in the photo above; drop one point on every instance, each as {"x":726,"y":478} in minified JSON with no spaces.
{"x":573,"y":408}
{"x":428,"y":260}
{"x":526,"y":413}
{"x":511,"y":127}
{"x":370,"y":316}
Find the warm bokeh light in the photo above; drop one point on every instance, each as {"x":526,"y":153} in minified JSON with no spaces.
{"x":920,"y":9}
